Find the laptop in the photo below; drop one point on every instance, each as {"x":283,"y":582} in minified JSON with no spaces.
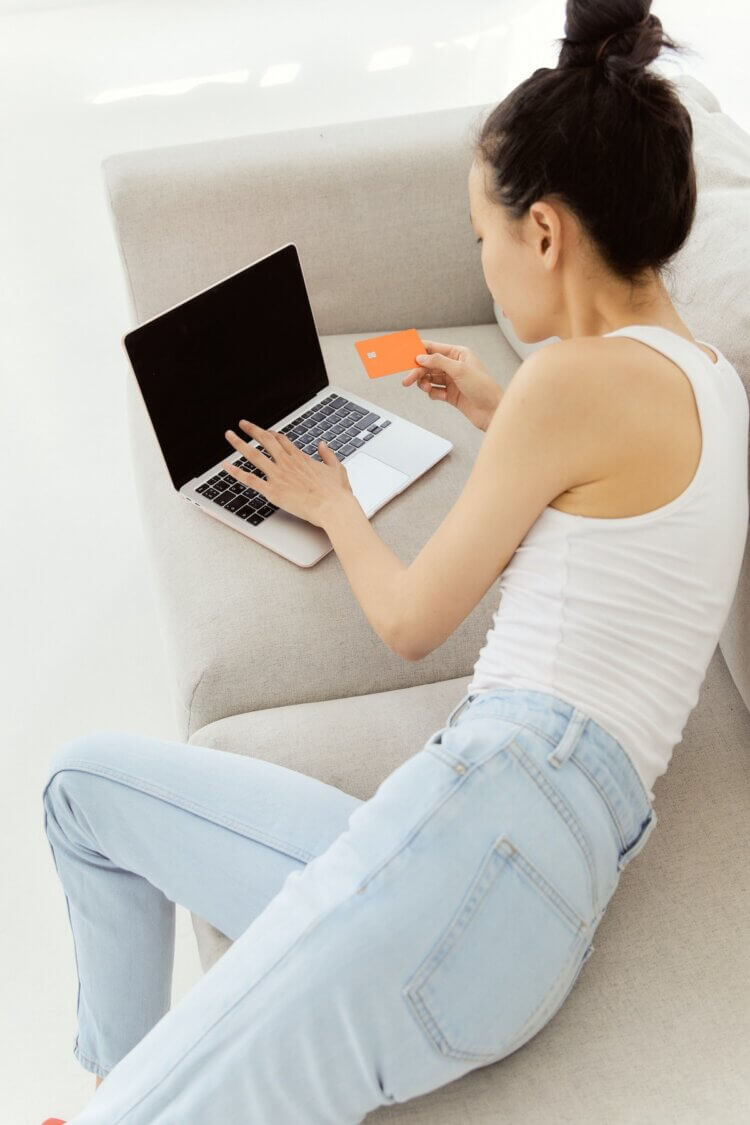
{"x":247,"y":347}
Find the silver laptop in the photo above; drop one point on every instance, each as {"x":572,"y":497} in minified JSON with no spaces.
{"x":247,"y":347}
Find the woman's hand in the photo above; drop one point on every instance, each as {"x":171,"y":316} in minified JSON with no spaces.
{"x":456,"y":375}
{"x":295,"y":482}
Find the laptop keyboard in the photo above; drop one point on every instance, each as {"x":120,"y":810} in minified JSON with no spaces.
{"x":344,"y":425}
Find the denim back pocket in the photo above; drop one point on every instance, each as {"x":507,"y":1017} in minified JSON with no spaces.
{"x":503,"y":964}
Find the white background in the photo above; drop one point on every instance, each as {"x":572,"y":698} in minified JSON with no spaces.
{"x":80,"y":644}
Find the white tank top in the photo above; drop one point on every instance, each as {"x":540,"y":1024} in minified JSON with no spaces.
{"x":622,"y":616}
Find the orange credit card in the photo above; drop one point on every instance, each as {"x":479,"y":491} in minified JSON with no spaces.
{"x":393,"y":352}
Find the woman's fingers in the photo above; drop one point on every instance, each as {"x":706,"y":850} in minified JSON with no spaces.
{"x":426,"y":381}
{"x":250,"y":452}
{"x":286,"y":443}
{"x":244,"y":476}
{"x":267,"y":438}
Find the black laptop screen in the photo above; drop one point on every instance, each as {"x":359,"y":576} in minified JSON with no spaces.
{"x":245,"y":348}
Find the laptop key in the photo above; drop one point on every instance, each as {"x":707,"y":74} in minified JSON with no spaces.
{"x":233,"y":505}
{"x":255,"y":519}
{"x":347,"y":449}
{"x":224,"y":498}
{"x":210,"y":493}
{"x":266,"y":510}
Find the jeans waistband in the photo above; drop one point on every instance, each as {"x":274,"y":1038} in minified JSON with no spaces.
{"x":576,"y":734}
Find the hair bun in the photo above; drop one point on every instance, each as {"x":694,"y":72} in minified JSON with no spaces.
{"x":592,"y":40}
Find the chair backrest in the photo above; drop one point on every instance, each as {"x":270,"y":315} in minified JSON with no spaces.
{"x":379,"y":211}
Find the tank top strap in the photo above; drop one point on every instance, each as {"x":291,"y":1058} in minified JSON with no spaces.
{"x":687,"y":355}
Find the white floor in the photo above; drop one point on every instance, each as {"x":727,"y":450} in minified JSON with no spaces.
{"x":80,"y":644}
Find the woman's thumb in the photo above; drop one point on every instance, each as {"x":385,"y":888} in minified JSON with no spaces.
{"x":434,"y":362}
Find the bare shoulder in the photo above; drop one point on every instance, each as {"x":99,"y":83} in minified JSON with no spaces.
{"x":581,"y":360}
{"x":609,"y":378}
{"x":588,"y":393}
{"x":577,"y":379}
{"x":609,"y":398}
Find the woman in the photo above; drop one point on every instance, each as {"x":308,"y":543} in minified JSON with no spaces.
{"x":384,"y":948}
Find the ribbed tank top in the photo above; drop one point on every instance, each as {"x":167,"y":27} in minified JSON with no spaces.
{"x":622,"y":616}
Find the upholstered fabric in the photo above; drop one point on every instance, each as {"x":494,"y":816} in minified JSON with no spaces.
{"x":223,"y":597}
{"x":709,"y":284}
{"x":187,"y":215}
{"x":657,"y":1025}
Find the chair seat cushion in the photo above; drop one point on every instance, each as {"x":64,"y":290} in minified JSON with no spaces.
{"x":657,"y":1026}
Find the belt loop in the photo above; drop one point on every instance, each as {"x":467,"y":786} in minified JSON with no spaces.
{"x":567,"y":743}
{"x":465,"y":699}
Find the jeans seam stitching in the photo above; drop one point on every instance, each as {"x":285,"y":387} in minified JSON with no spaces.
{"x":413,"y":992}
{"x":161,"y":791}
{"x":604,"y":796}
{"x":83,"y":1057}
{"x":543,"y":1009}
{"x":542,"y":733}
{"x":345,"y":900}
{"x":534,"y":875}
{"x":70,"y":920}
{"x":416,"y":828}
{"x":565,"y":812}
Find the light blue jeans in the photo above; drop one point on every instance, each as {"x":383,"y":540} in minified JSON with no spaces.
{"x":382,"y":948}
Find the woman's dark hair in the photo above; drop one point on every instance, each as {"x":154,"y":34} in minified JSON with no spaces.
{"x":602,"y":134}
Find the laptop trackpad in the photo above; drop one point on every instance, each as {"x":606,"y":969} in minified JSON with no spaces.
{"x":373,"y":481}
